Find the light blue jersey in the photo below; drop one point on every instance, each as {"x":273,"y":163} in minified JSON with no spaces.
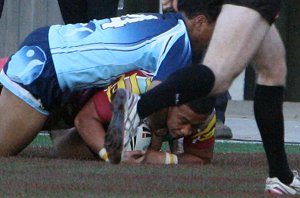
{"x":95,"y":53}
{"x":55,"y":61}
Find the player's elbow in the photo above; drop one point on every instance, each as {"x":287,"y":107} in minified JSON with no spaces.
{"x":79,"y":121}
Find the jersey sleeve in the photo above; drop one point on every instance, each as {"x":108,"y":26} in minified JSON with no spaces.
{"x":179,"y":55}
{"x":137,"y":82}
{"x":102,"y":106}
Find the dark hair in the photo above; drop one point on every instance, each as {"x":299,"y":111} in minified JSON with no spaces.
{"x":209,"y":8}
{"x":203,"y":105}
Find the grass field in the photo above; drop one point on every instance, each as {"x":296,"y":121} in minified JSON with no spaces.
{"x":237,"y":170}
{"x":220,"y":146}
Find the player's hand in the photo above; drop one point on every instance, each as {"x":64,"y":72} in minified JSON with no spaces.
{"x":154,"y":157}
{"x":169,"y":5}
{"x":134,"y":156}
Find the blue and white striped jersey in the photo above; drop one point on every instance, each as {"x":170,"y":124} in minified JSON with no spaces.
{"x":96,"y":53}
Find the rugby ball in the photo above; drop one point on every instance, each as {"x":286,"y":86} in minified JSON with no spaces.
{"x":141,"y":140}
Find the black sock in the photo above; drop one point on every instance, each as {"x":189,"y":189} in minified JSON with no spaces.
{"x":269,"y":118}
{"x":184,"y":85}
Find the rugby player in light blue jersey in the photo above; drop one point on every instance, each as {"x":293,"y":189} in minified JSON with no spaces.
{"x":54,"y":62}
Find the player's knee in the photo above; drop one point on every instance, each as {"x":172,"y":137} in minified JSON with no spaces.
{"x":269,"y":9}
{"x":220,"y":87}
{"x":271,"y":78}
{"x":223,"y":79}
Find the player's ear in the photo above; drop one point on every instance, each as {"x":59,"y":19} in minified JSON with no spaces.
{"x":199,"y":21}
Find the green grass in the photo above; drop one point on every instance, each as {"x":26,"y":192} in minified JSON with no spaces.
{"x":248,"y":147}
{"x":220,"y":146}
{"x":232,"y":173}
{"x":42,"y":140}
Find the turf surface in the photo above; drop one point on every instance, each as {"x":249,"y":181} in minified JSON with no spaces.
{"x":237,"y":170}
{"x":225,"y":146}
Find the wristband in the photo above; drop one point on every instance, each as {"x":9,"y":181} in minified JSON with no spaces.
{"x":171,"y":158}
{"x":103,"y":154}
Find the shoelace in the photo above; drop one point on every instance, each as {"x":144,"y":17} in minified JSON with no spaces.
{"x":131,"y":126}
{"x":296,"y":173}
{"x":297,"y":177}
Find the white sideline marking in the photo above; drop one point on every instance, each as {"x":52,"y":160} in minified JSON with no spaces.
{"x":241,"y":141}
{"x":236,"y":141}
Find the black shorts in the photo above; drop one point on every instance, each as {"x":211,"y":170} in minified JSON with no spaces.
{"x":269,"y":9}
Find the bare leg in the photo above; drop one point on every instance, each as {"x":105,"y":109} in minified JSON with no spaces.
{"x":19,"y":123}
{"x":268,"y":100}
{"x":227,"y":56}
{"x":271,"y":62}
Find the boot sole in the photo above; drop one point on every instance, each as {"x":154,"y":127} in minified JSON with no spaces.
{"x":115,"y":134}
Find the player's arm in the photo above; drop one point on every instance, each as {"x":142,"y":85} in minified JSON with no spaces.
{"x":195,"y":155}
{"x":152,"y":155}
{"x":192,"y":153}
{"x":90,"y":127}
{"x":198,"y":148}
{"x":190,"y":156}
{"x":138,"y":156}
{"x":157,"y":139}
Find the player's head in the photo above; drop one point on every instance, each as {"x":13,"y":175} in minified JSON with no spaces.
{"x":183,"y":119}
{"x":200,"y":17}
{"x":192,"y":8}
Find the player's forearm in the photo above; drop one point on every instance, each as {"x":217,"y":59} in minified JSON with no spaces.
{"x":92,"y":133}
{"x":154,"y":157}
{"x":160,"y":157}
{"x":156,"y":142}
{"x":191,"y":159}
{"x":192,"y":155}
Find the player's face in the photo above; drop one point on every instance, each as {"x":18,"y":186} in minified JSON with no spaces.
{"x":200,"y":32}
{"x":182,"y":121}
